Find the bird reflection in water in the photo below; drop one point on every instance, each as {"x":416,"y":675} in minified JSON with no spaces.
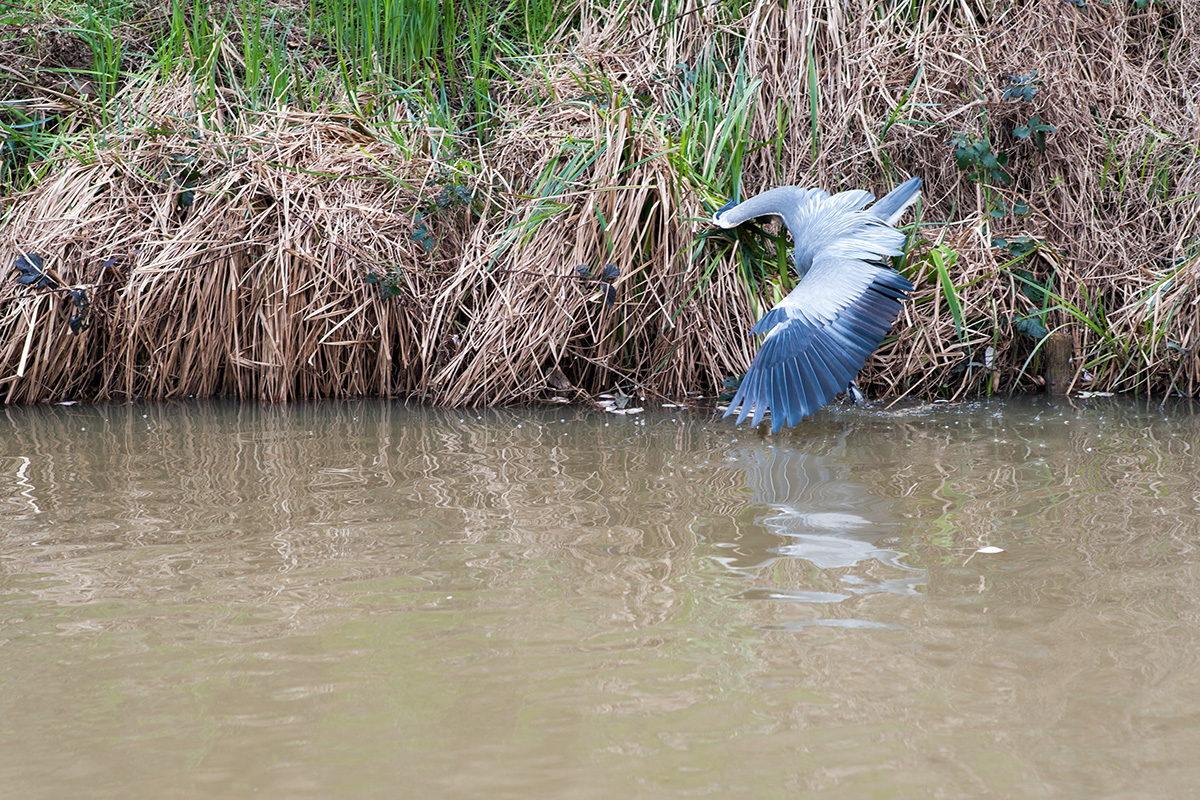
{"x":817,"y":517}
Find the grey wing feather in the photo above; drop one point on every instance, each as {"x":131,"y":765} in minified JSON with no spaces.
{"x":893,"y":204}
{"x":814,"y":348}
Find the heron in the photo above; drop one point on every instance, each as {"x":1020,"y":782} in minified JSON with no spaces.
{"x":818,"y":337}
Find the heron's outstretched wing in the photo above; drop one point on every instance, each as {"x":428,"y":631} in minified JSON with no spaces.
{"x":821,"y":334}
{"x":818,"y":338}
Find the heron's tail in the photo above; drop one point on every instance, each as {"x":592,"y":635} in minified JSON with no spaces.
{"x":892,"y":205}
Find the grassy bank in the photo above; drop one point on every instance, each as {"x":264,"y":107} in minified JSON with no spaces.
{"x":419,"y":199}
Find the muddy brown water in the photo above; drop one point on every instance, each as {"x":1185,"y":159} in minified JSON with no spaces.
{"x":367,"y":600}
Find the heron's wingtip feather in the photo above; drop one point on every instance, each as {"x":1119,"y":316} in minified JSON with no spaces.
{"x":893,"y":204}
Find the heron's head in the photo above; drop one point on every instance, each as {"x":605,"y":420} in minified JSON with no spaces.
{"x":720,"y":212}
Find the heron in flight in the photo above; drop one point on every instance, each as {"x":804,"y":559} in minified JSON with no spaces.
{"x":820,"y":335}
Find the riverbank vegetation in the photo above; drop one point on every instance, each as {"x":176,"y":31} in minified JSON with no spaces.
{"x":505,"y":200}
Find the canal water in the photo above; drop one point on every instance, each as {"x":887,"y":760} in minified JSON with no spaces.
{"x":225,"y":600}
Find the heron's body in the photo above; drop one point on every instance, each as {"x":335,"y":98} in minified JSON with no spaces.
{"x":818,"y":337}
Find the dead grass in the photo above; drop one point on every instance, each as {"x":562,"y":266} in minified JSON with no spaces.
{"x":255,"y":289}
{"x":259,"y":287}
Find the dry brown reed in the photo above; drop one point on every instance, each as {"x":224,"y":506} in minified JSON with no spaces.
{"x":259,"y":287}
{"x":217,"y":263}
{"x":527,"y":322}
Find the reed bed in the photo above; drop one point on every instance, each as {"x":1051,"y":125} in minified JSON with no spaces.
{"x":292,"y":207}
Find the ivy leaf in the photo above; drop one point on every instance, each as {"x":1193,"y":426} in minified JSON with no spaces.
{"x":1030,"y":327}
{"x":610,"y":294}
{"x":30,"y":272}
{"x":1038,"y":293}
{"x":423,"y":237}
{"x":78,"y":321}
